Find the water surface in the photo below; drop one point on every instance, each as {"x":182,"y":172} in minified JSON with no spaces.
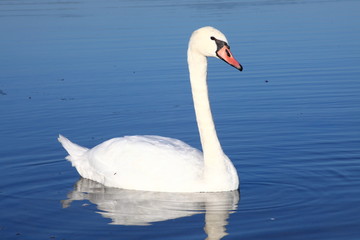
{"x":93,"y":70}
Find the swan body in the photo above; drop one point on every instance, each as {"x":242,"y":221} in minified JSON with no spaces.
{"x":154,"y":163}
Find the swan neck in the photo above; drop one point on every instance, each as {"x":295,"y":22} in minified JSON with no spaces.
{"x":209,"y":140}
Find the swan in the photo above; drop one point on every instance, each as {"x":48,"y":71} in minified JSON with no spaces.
{"x":162,"y":164}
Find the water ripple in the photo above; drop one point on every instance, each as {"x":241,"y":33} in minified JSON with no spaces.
{"x":274,"y":195}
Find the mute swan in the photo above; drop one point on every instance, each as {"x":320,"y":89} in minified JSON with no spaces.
{"x":154,"y":163}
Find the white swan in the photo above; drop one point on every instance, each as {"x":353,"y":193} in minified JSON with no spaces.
{"x":154,"y":163}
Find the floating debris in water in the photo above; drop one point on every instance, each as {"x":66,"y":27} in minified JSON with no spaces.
{"x":66,"y":99}
{"x":2,"y":92}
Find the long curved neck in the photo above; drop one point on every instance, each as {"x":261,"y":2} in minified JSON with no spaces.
{"x":213,"y":153}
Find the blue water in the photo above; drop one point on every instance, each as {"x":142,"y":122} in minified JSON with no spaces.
{"x":93,"y":70}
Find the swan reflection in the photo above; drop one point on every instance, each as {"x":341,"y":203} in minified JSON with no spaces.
{"x":129,"y":207}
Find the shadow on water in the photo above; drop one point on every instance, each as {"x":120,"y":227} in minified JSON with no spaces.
{"x":139,"y":208}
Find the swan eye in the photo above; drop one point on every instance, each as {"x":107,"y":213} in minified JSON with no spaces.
{"x":212,"y":38}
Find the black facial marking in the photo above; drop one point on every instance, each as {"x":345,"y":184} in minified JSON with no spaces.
{"x":220,"y":44}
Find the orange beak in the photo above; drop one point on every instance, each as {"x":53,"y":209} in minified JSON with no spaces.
{"x":225,"y":54}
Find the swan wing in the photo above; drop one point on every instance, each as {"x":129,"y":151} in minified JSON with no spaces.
{"x":150,"y":163}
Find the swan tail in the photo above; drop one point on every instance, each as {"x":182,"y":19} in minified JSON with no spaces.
{"x":79,"y":160}
{"x":75,"y":151}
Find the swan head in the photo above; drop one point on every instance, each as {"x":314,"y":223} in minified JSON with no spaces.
{"x":210,"y":42}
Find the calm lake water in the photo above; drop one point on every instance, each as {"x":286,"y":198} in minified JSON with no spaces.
{"x":93,"y":70}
